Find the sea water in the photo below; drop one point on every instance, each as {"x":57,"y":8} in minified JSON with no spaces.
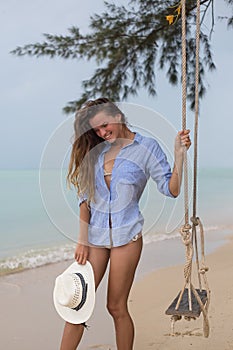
{"x":39,"y":214}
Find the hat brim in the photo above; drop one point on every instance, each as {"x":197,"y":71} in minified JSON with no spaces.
{"x":82,"y":315}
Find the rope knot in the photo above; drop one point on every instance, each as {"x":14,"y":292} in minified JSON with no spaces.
{"x":195,"y":220}
{"x":186,"y":235}
{"x":185,"y":228}
{"x":203,"y":270}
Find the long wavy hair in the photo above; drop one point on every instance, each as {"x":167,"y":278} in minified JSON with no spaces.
{"x":87,"y":146}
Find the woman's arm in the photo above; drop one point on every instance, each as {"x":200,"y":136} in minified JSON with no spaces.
{"x":182,"y":142}
{"x":82,"y":249}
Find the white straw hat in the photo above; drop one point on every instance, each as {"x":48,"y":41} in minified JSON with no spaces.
{"x":74,"y":293}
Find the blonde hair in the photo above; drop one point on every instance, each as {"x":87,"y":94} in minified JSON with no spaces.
{"x":87,"y":146}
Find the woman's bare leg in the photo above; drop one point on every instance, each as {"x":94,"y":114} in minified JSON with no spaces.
{"x":123,"y":264}
{"x":72,"y":334}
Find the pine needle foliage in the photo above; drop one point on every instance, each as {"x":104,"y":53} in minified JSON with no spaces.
{"x":129,"y":44}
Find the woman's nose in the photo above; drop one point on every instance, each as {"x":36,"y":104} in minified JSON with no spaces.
{"x":102,"y":133}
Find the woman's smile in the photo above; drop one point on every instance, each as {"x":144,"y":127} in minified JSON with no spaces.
{"x":105,"y":126}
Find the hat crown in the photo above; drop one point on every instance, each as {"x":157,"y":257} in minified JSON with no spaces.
{"x":71,"y":290}
{"x":74,"y":293}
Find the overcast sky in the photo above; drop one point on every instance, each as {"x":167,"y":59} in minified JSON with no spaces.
{"x":33,"y":91}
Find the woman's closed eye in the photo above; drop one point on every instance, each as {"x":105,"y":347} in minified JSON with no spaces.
{"x":103,"y":126}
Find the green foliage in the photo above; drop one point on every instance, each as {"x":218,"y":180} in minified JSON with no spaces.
{"x":129,"y":45}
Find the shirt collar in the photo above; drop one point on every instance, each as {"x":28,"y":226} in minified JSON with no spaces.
{"x":137,"y":137}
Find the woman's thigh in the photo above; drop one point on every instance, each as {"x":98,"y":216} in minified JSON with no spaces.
{"x":98,"y":257}
{"x":123,"y":264}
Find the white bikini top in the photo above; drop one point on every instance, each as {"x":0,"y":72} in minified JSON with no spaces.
{"x":107,"y":173}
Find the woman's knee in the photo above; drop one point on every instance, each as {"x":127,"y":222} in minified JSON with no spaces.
{"x":117,"y":310}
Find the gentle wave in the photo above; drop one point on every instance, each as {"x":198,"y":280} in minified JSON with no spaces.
{"x":35,"y":258}
{"x":40,"y":257}
{"x":158,"y":237}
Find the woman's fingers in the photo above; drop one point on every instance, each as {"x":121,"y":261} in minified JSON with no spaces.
{"x":185,"y":138}
{"x":81,"y":254}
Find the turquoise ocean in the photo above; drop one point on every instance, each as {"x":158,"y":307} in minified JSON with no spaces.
{"x":40,"y":227}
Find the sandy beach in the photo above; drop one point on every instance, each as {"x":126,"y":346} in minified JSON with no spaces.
{"x":29,"y":321}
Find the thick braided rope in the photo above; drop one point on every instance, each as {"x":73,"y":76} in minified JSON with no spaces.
{"x":202,"y":271}
{"x":193,"y":219}
{"x":197,"y":221}
{"x":184,"y":98}
{"x":185,"y":229}
{"x":187,"y":237}
{"x":187,"y":240}
{"x":196,"y":108}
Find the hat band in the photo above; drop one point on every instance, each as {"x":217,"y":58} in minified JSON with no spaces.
{"x":84,"y":294}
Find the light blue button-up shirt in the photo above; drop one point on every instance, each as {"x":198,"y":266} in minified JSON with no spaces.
{"x":133,"y":166}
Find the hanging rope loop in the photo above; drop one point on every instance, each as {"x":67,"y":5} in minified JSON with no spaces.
{"x":187,"y":231}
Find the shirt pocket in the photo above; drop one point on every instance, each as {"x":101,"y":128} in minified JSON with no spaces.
{"x":131,"y":174}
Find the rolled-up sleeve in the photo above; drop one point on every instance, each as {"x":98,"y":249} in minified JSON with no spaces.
{"x":159,"y":169}
{"x":82,"y":198}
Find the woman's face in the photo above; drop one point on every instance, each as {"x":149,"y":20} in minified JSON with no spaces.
{"x":107,"y":127}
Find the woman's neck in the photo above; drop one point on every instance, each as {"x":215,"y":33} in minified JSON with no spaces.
{"x":124,"y":138}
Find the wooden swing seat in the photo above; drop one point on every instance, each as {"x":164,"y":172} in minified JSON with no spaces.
{"x":183,"y":309}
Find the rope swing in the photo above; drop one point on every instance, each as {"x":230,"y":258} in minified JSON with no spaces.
{"x":190,"y":302}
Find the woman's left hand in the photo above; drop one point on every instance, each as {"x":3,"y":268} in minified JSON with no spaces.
{"x":182,"y":141}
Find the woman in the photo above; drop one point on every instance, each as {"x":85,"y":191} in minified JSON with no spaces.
{"x":110,"y":166}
